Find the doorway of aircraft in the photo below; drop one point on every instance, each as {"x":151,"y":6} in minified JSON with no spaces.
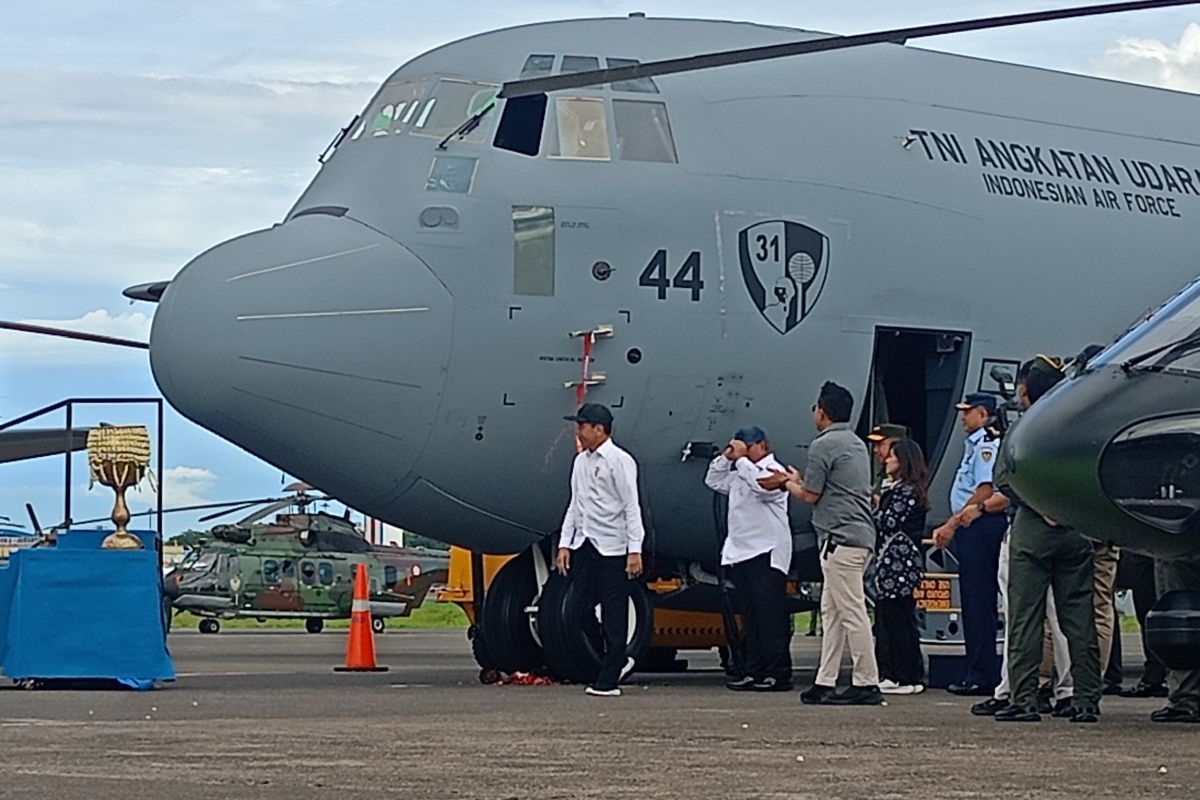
{"x":916,"y":378}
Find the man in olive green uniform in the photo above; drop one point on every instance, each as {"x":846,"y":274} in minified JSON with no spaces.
{"x":1183,"y":702}
{"x":1043,"y":554}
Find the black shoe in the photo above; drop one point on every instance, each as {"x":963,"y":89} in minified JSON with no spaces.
{"x":816,"y":695}
{"x":742,"y":684}
{"x":1017,"y":714}
{"x":1145,"y":690}
{"x":770,"y":684}
{"x":1173,"y":714}
{"x":857,"y":696}
{"x":989,"y":707}
{"x":968,"y":689}
{"x":1111,"y":690}
{"x":1063,"y":709}
{"x":1086,"y":714}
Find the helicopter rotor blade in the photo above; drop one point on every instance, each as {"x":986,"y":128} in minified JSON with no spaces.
{"x":43,"y":330}
{"x":176,"y":509}
{"x":671,"y":66}
{"x":228,"y":511}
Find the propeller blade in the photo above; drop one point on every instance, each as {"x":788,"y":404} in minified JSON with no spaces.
{"x":671,"y":66}
{"x":67,"y":334}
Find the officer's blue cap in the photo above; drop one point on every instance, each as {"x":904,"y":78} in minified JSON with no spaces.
{"x":751,"y":435}
{"x":987,"y":401}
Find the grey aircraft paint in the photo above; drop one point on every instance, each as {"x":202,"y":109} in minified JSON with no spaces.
{"x":375,"y":343}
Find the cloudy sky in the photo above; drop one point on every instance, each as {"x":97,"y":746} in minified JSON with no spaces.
{"x":136,"y":133}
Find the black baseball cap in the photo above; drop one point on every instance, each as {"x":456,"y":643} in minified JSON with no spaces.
{"x":987,"y":401}
{"x":888,"y":430}
{"x":592,"y":412}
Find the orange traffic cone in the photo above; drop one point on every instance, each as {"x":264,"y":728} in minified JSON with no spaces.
{"x":360,"y":649}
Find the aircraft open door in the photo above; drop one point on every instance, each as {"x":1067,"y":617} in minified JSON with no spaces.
{"x":916,"y":378}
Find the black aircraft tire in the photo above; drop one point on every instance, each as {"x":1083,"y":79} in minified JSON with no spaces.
{"x":571,"y":634}
{"x":377,"y":624}
{"x":504,"y":621}
{"x":314,"y":624}
{"x":479,"y":648}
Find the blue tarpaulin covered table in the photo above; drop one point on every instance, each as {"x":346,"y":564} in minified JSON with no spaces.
{"x":75,"y":611}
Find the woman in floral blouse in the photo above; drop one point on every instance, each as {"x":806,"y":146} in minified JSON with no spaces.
{"x":900,"y":521}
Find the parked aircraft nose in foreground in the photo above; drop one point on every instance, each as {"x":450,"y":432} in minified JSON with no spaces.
{"x":261,"y":339}
{"x":1115,"y":450}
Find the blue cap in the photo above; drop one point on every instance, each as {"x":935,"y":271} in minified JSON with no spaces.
{"x":987,"y":401}
{"x":751,"y":435}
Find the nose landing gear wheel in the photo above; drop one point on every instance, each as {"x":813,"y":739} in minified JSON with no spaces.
{"x":572,"y":638}
{"x":209,"y":626}
{"x":510,"y":644}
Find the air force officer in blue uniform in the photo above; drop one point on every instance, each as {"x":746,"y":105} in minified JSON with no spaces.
{"x":976,"y":546}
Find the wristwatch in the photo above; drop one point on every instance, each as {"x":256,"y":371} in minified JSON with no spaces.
{"x":982,"y":508}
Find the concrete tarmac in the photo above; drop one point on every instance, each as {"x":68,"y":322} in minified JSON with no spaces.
{"x":262,"y":715}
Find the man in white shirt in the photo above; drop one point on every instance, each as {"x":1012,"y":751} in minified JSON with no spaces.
{"x":601,"y":536}
{"x":758,"y":550}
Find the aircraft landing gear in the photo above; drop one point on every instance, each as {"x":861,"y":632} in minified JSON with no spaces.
{"x":377,"y":624}
{"x":314,"y":625}
{"x":510,"y":645}
{"x":572,"y":638}
{"x":209,"y":626}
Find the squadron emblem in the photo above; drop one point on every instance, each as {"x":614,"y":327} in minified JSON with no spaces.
{"x":784,"y":266}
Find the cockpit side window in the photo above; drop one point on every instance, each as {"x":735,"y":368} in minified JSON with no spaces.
{"x":537,"y":66}
{"x":579,"y":64}
{"x":643,"y":131}
{"x":582,"y":128}
{"x":646,"y":85}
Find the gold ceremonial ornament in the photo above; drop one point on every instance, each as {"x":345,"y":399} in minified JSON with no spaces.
{"x":119,"y":456}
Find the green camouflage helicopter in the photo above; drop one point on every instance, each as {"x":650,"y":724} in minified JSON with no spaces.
{"x":298,"y":565}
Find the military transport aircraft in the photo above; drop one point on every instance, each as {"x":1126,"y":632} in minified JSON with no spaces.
{"x":530,"y":216}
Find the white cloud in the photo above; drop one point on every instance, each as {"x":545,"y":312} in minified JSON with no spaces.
{"x":1171,"y":65}
{"x":18,"y":348}
{"x":185,"y":486}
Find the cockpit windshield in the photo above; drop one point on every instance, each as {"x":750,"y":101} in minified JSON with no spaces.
{"x":425,"y":107}
{"x":1169,"y":337}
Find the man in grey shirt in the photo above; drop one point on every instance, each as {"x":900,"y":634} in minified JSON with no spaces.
{"x":837,"y":483}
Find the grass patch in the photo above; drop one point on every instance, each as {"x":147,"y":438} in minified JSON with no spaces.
{"x":430,"y":614}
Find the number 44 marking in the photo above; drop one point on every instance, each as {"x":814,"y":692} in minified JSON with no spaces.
{"x":688,"y":276}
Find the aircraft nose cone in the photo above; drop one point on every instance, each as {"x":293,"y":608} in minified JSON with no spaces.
{"x":316,"y":345}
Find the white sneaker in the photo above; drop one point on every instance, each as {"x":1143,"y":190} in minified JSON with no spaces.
{"x":914,"y":688}
{"x":888,"y":686}
{"x":625,"y":670}
{"x":603,"y":692}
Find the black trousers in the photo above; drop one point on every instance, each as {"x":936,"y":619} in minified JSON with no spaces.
{"x":977,"y":548}
{"x":761,"y":593}
{"x":1144,"y":595}
{"x":897,"y":641}
{"x":606,"y":581}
